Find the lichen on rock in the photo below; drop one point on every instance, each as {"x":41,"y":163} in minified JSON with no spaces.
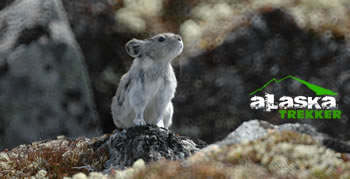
{"x":65,"y":157}
{"x":149,"y":143}
{"x":278,"y":154}
{"x":289,"y":150}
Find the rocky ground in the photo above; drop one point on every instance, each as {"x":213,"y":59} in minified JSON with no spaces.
{"x":108,"y":153}
{"x":256,"y":149}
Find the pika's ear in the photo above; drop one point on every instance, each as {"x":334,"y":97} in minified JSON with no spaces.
{"x":134,"y":47}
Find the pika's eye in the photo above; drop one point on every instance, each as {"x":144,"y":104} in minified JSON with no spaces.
{"x":161,"y":39}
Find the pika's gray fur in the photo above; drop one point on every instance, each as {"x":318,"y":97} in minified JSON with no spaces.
{"x":145,"y":92}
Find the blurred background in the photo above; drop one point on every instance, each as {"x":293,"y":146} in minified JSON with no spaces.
{"x":61,"y":61}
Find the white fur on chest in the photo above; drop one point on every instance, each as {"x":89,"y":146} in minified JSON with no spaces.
{"x":159,"y":82}
{"x":153,"y":87}
{"x":157,"y":77}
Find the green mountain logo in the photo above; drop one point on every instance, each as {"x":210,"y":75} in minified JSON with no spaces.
{"x":317,"y":89}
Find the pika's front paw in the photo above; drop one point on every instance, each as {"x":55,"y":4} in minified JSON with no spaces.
{"x":139,"y":122}
{"x":160,"y":123}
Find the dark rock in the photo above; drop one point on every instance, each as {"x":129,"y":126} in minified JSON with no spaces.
{"x":5,"y":3}
{"x":149,"y":143}
{"x":43,"y":80}
{"x":212,"y":97}
{"x":255,"y":129}
{"x":92,"y":23}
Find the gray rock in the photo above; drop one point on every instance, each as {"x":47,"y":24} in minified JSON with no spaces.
{"x":92,"y":23}
{"x":43,"y":81}
{"x":149,"y":143}
{"x":255,"y":129}
{"x":249,"y":131}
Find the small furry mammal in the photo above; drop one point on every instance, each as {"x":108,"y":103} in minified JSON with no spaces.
{"x":144,"y":93}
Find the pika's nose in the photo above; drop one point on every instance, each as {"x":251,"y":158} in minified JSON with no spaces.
{"x":178,"y":38}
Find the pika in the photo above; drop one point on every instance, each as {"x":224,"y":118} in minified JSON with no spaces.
{"x":145,"y":92}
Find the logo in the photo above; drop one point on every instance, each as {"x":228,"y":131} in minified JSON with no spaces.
{"x":321,"y":106}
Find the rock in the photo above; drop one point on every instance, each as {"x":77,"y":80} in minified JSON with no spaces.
{"x":64,"y":157}
{"x":255,"y":129}
{"x":45,"y":89}
{"x":278,"y":154}
{"x":149,"y":143}
{"x":5,"y":3}
{"x":256,"y":149}
{"x":248,"y":131}
{"x":92,"y":23}
{"x":213,"y":90}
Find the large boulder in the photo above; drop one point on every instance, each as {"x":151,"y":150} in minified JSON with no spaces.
{"x":45,"y":89}
{"x":92,"y":23}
